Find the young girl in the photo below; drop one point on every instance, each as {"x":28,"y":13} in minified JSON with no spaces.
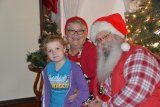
{"x":61,"y":77}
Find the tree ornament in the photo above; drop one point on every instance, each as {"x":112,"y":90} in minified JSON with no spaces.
{"x":158,"y":23}
{"x":134,"y":5}
{"x":157,"y":32}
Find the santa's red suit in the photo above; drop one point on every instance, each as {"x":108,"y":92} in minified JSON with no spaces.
{"x":135,"y":80}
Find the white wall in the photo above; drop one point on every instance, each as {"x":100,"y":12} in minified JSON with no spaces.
{"x":19,"y":32}
{"x":90,"y":10}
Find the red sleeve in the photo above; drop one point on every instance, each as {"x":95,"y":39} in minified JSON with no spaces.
{"x":89,"y":59}
{"x":89,"y":65}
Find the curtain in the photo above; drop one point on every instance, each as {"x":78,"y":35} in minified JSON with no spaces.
{"x":70,"y":8}
{"x":126,"y":4}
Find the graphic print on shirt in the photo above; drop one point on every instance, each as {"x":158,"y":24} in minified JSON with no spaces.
{"x":59,"y":82}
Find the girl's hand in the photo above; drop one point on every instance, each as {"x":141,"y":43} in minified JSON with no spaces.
{"x":71,"y":98}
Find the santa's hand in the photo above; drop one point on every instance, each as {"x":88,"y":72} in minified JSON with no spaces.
{"x":95,"y":103}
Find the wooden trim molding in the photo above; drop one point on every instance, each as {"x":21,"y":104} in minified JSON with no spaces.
{"x":9,"y":103}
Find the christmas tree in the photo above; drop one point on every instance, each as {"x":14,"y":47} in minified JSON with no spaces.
{"x":143,"y":23}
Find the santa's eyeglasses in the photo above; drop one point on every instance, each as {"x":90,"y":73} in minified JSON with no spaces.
{"x":104,"y":37}
{"x":72,"y":32}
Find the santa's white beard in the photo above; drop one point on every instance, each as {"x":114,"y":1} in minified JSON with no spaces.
{"x":108,"y":59}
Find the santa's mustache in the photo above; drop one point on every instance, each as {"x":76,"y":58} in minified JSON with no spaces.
{"x":107,"y":47}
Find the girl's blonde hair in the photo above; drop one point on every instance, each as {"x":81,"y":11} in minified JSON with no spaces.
{"x":52,"y":38}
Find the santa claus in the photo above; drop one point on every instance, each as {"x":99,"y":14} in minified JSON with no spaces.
{"x":129,"y":74}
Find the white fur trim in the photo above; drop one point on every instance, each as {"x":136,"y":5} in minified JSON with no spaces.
{"x":103,"y":26}
{"x":125,"y":46}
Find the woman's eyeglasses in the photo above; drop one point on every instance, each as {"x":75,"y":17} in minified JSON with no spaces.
{"x":72,"y":32}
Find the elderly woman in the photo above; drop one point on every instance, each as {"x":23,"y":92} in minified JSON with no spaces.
{"x":82,"y":51}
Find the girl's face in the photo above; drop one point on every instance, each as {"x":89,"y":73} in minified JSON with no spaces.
{"x":55,"y":51}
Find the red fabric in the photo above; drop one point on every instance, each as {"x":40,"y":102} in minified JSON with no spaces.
{"x":116,"y":21}
{"x":88,"y":62}
{"x":75,"y":18}
{"x":74,"y":58}
{"x":104,"y":98}
{"x":51,"y":5}
{"x":118,"y":79}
